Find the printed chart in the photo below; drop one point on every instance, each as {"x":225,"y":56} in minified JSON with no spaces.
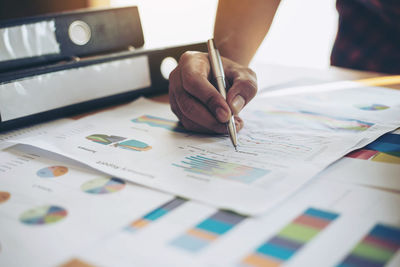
{"x":43,"y":215}
{"x":284,"y":245}
{"x":385,"y":149}
{"x":154,"y":215}
{"x":207,"y":231}
{"x":118,"y":141}
{"x":375,"y":249}
{"x":52,"y":172}
{"x":134,"y":145}
{"x":221,"y":169}
{"x":103,"y":185}
{"x":159,"y":122}
{"x":105,"y":139}
{"x":373,"y":107}
{"x":317,"y":121}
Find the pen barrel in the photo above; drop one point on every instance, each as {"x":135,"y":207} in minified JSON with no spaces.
{"x":232,"y":131}
{"x":221,"y":85}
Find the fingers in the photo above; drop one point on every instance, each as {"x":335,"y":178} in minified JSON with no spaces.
{"x":244,"y":86}
{"x":187,"y":123}
{"x":195,"y":70}
{"x":198,"y":104}
{"x":193,"y":114}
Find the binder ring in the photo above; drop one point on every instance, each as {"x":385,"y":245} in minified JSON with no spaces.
{"x":79,"y":32}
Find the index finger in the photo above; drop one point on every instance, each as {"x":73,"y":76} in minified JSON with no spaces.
{"x":244,"y":86}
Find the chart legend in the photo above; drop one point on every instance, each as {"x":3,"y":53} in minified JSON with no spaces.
{"x":103,"y":186}
{"x":51,"y":172}
{"x":43,"y":215}
{"x":375,"y":249}
{"x":159,"y":122}
{"x":154,"y":215}
{"x":284,"y":245}
{"x":385,"y":149}
{"x":212,"y":228}
{"x":221,"y":169}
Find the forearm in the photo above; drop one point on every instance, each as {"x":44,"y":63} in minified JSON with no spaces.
{"x":241,"y":25}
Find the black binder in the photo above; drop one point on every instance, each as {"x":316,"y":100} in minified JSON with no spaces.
{"x":107,"y":30}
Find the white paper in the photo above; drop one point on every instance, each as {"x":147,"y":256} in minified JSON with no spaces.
{"x":28,"y":132}
{"x":286,"y":142}
{"x":358,"y":210}
{"x":377,"y":165}
{"x":92,"y":210}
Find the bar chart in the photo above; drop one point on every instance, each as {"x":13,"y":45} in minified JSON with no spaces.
{"x":204,"y":233}
{"x":213,"y":167}
{"x":375,"y":249}
{"x":289,"y":241}
{"x":154,"y":215}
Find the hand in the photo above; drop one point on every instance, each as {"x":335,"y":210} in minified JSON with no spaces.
{"x":198,"y":104}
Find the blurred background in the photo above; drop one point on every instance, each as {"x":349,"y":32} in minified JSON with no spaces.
{"x":302,"y":33}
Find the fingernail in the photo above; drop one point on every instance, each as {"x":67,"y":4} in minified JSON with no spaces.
{"x":237,"y":104}
{"x":222,"y":115}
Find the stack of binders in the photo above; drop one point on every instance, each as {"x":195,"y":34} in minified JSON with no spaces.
{"x":61,"y":64}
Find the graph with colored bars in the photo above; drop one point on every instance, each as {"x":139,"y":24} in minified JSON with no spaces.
{"x":284,"y":245}
{"x":385,"y":149}
{"x":200,"y":236}
{"x":159,"y":122}
{"x":373,"y":107}
{"x":321,"y":121}
{"x":221,"y":169}
{"x":375,"y":249}
{"x":154,"y":215}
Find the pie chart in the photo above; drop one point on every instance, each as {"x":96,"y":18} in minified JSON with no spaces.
{"x":43,"y":215}
{"x":51,"y":172}
{"x":4,"y":196}
{"x":103,"y":185}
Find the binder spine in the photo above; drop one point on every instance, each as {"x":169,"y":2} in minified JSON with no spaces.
{"x":55,"y":37}
{"x":38,"y":94}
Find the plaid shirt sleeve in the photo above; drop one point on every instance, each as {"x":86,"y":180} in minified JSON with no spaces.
{"x":368,"y":35}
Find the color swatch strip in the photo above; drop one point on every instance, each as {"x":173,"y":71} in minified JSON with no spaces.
{"x":375,"y":249}
{"x":384,"y":149}
{"x":207,"y":231}
{"x":154,"y":215}
{"x":284,"y":245}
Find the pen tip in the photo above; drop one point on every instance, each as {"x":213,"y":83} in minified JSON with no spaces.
{"x":236,"y":149}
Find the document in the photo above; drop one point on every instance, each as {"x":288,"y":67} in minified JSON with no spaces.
{"x":345,"y":217}
{"x":50,"y":209}
{"x":29,"y":131}
{"x":377,"y":164}
{"x":285,"y":143}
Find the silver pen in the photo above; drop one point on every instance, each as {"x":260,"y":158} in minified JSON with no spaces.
{"x":219,"y":75}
